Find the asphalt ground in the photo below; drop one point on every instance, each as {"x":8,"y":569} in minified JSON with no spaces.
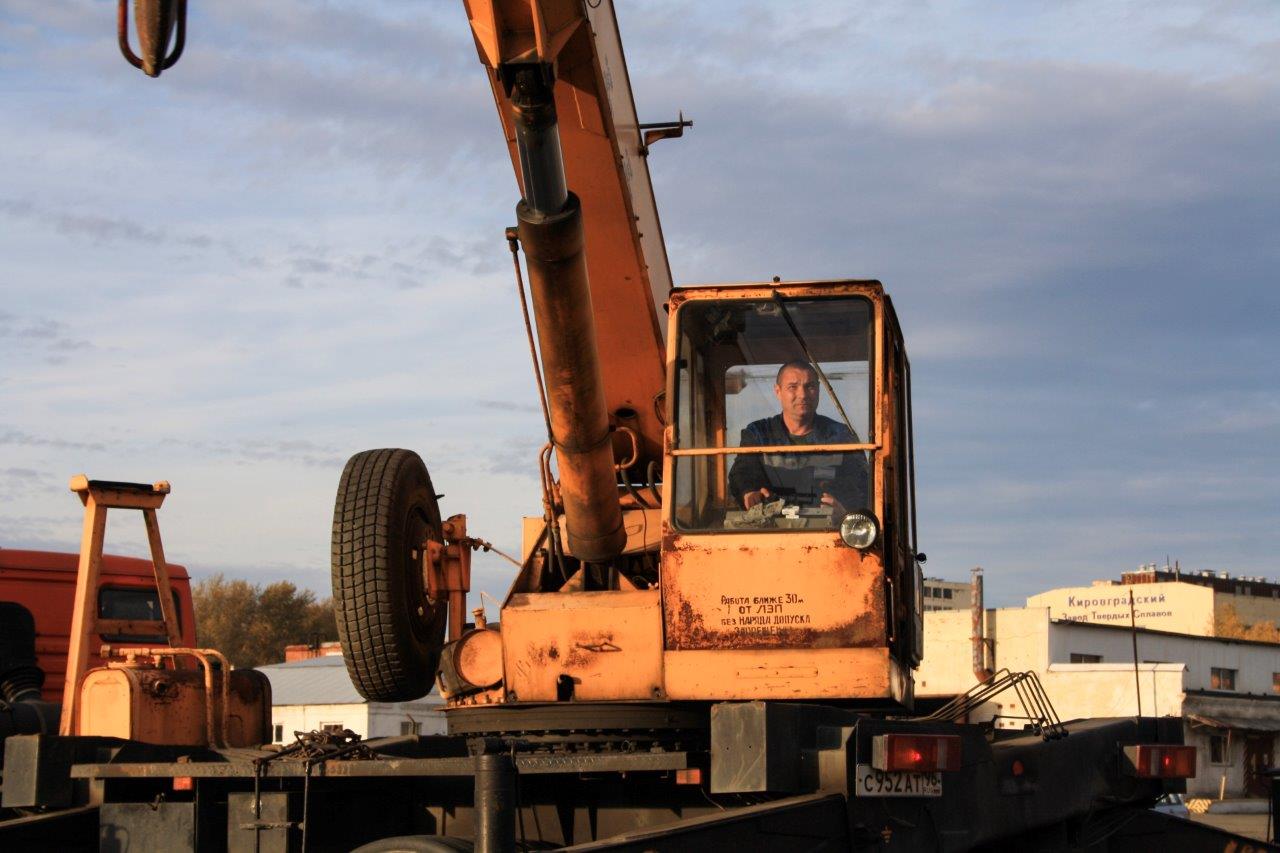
{"x":1249,"y":825}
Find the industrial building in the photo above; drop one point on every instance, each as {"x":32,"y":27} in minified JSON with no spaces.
{"x":316,"y":694}
{"x":1166,"y":600}
{"x":1254,"y":598}
{"x":305,"y":651}
{"x":942,"y":594}
{"x":1226,"y":691}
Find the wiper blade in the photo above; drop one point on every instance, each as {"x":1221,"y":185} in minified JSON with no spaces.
{"x":804,"y":347}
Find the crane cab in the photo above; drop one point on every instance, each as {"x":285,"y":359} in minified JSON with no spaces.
{"x":808,"y":589}
{"x":788,"y":564}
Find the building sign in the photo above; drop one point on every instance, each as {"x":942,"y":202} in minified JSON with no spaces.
{"x":1180,"y":607}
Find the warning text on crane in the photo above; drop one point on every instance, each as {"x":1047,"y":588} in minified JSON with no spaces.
{"x":763,"y":614}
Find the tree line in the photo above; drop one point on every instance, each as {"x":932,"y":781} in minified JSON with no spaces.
{"x":1227,"y":623}
{"x":252,"y":623}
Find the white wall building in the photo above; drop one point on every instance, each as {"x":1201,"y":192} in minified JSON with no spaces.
{"x":1226,"y":691}
{"x":1175,"y":606}
{"x":315,"y":694}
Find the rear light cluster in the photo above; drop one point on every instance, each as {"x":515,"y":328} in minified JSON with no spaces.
{"x":689,"y":776}
{"x":1158,"y":761}
{"x":919,"y":753}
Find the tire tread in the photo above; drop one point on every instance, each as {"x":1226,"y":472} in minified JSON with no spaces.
{"x":383,"y":660}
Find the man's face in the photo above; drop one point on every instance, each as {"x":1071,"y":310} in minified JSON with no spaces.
{"x":797,"y":392}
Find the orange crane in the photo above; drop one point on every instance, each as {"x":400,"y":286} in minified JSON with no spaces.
{"x":710,"y":638}
{"x":653,"y":574}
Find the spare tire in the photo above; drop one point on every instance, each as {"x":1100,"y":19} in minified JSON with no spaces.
{"x":391,"y":632}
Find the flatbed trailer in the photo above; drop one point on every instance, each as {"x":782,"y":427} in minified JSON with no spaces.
{"x":767,"y":775}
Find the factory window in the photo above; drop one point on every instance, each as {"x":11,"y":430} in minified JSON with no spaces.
{"x":1217,"y":749}
{"x":411,"y":727}
{"x":332,"y":727}
{"x":1222,"y":679}
{"x":1077,"y":657}
{"x":278,"y":736}
{"x":946,"y":593}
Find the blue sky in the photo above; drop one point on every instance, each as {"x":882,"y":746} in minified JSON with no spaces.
{"x":289,"y":248}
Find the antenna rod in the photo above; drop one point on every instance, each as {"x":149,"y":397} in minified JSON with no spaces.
{"x":1133,"y":630}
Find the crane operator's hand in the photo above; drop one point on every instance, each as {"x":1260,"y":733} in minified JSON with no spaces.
{"x":761,"y":494}
{"x":837,"y":508}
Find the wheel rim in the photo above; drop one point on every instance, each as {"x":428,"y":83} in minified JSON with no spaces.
{"x":419,"y":608}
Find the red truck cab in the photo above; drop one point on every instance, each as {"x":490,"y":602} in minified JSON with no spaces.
{"x":44,"y":582}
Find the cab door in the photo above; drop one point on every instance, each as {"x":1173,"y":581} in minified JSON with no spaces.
{"x":903,"y":569}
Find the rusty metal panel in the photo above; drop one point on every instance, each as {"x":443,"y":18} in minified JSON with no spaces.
{"x":147,"y":705}
{"x":589,"y":646}
{"x":868,"y":287}
{"x":136,"y":827}
{"x":771,"y":591}
{"x":757,"y":747}
{"x":269,"y":822}
{"x":868,"y":673}
{"x":165,"y":706}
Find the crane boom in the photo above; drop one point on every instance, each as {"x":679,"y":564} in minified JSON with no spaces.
{"x":605,"y":166}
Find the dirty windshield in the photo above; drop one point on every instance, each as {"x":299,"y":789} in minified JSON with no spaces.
{"x":771,"y":398}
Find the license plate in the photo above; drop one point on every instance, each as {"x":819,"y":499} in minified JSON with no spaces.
{"x":881,"y":783}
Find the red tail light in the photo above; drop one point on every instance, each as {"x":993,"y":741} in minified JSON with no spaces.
{"x":1155,"y":761}
{"x":689,"y":776}
{"x":921,"y":753}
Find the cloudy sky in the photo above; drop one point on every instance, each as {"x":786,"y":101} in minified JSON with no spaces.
{"x":289,"y":248}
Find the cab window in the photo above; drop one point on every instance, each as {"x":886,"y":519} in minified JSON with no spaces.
{"x":774,"y":426}
{"x":141,"y":604}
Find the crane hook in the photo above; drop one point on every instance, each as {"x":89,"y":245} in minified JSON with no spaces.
{"x":155,"y":21}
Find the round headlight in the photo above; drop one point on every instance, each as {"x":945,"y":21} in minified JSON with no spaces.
{"x":859,"y":530}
